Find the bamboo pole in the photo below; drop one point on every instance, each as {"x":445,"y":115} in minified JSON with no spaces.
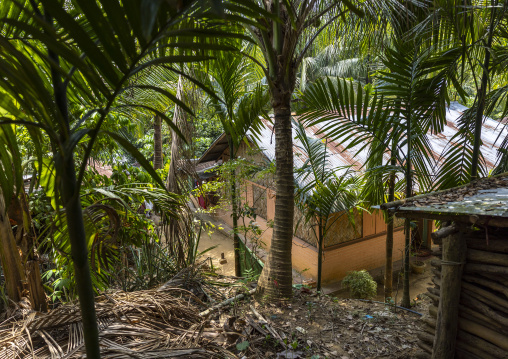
{"x":475,"y":310}
{"x":494,"y":244}
{"x":487,"y":257}
{"x":479,"y":346}
{"x":474,"y":268}
{"x":485,"y":296}
{"x":487,"y":334}
{"x":488,"y":284}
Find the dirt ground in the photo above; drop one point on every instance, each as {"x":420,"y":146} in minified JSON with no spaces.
{"x":418,"y":284}
{"x":315,"y":327}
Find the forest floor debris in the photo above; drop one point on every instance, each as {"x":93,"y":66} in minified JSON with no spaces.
{"x":325,"y":327}
{"x":166,"y":323}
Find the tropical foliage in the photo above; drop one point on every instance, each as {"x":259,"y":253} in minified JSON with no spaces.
{"x":140,"y":89}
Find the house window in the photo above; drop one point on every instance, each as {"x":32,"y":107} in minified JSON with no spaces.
{"x":303,"y":230}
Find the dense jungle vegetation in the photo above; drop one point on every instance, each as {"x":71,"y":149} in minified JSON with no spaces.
{"x":142,"y":88}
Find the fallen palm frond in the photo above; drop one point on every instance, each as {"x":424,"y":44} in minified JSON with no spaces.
{"x":143,"y":324}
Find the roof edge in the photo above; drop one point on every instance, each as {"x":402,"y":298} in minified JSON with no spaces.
{"x":218,"y":139}
{"x":391,"y":205}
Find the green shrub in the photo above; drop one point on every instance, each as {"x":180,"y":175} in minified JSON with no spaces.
{"x":360,"y":284}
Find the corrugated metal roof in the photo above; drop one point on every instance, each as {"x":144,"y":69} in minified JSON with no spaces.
{"x":215,"y":150}
{"x":493,"y":134}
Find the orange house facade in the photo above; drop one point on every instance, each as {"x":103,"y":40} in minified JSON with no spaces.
{"x":347,"y":246}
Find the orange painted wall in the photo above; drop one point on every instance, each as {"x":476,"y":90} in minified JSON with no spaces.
{"x":366,"y":254}
{"x":359,"y":254}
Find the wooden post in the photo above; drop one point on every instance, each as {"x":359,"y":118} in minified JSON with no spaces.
{"x":454,"y":256}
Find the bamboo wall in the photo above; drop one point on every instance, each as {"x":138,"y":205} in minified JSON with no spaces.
{"x":473,"y":322}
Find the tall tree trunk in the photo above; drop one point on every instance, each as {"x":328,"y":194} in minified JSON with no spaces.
{"x":180,"y":232}
{"x":481,"y":99}
{"x":320,"y":254}
{"x":406,"y":300}
{"x":69,"y":188}
{"x":79,"y":252}
{"x":234,"y":205}
{"x":157,"y":143}
{"x":9,"y":256}
{"x":275,"y":282}
{"x":389,"y":233}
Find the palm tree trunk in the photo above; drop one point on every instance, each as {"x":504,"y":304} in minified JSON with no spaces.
{"x":157,"y":143}
{"x":320,"y":254}
{"x":389,"y":238}
{"x":79,"y":252}
{"x":389,"y":229}
{"x":9,"y":256}
{"x":276,"y":280}
{"x":406,"y":300}
{"x":481,"y":100}
{"x":32,"y":271}
{"x":74,"y":214}
{"x":176,"y":231}
{"x":234,"y":205}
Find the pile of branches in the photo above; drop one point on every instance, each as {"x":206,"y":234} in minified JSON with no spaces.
{"x":145,"y":324}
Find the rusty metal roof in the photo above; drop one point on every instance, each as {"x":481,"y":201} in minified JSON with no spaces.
{"x":215,"y":150}
{"x":493,"y":134}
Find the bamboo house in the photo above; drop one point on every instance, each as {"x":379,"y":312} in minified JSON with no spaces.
{"x":468,"y":317}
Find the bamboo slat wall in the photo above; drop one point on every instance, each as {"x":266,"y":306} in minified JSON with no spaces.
{"x":480,"y":326}
{"x":259,"y":195}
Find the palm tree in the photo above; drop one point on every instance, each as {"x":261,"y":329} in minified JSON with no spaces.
{"x":323,"y":191}
{"x":9,"y":256}
{"x":284,"y":31}
{"x":471,"y":35}
{"x":239,"y":102}
{"x":11,"y":182}
{"x":412,"y":105}
{"x":381,"y":177}
{"x":54,"y":55}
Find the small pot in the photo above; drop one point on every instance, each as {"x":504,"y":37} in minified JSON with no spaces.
{"x":417,"y":267}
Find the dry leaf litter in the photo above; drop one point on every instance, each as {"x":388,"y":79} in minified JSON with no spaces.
{"x":166,"y":323}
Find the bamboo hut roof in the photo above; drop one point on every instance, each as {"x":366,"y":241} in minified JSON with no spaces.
{"x":482,"y":202}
